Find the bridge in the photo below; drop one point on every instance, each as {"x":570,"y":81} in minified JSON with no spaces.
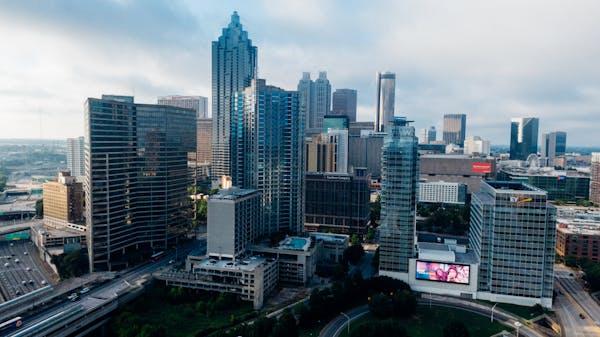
{"x":8,"y":229}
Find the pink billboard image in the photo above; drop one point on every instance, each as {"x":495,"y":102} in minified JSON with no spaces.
{"x":442,"y":272}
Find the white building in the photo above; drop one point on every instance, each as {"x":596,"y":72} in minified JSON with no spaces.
{"x":75,"y":156}
{"x":475,"y":145}
{"x":442,"y":192}
{"x":196,"y":103}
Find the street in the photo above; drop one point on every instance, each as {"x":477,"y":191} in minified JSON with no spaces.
{"x":572,"y":301}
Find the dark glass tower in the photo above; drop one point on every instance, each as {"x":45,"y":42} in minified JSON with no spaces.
{"x":233,"y":67}
{"x":136,"y":177}
{"x":523,"y":137}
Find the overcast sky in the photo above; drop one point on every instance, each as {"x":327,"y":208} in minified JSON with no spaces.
{"x":492,"y":60}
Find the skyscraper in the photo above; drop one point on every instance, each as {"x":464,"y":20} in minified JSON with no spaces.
{"x":136,"y":177}
{"x":455,"y":126}
{"x":196,"y":103}
{"x":513,"y":233}
{"x":523,"y":137}
{"x":399,"y":185}
{"x":306,"y":96}
{"x":328,"y":151}
{"x":75,"y":156}
{"x":268,"y":141}
{"x":315,"y":99}
{"x":554,"y":144}
{"x":475,"y":145}
{"x":344,"y":103}
{"x":234,"y":61}
{"x":427,"y":136}
{"x":204,"y":140}
{"x":386,"y":92}
{"x":595,"y":179}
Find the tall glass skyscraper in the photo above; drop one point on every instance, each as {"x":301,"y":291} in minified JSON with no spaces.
{"x":234,"y":62}
{"x":399,"y":186}
{"x":136,"y":177}
{"x":344,"y":103}
{"x":75,"y":156}
{"x":455,"y":126}
{"x":268,"y":139}
{"x":315,"y":99}
{"x":554,"y":144}
{"x":386,"y":93}
{"x":523,"y":137}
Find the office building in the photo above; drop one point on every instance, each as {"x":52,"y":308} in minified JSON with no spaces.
{"x":337,"y":202}
{"x":296,"y":258}
{"x":595,"y":178}
{"x":268,"y":153}
{"x":204,"y":140}
{"x":513,"y":234}
{"x":355,"y":128}
{"x":457,"y":169}
{"x":442,"y":192}
{"x":578,"y":232}
{"x":133,"y":152}
{"x":523,"y":137}
{"x":196,"y":103}
{"x":427,"y":136}
{"x":234,"y":61}
{"x":233,"y":222}
{"x":63,"y":199}
{"x":339,"y":122}
{"x":327,"y":152}
{"x":76,"y":156}
{"x":455,"y":126}
{"x":476,"y":146}
{"x":315,"y":99}
{"x":554,"y":144}
{"x":386,"y":100}
{"x":563,"y":185}
{"x":399,"y":188}
{"x":365,"y":151}
{"x":344,"y":103}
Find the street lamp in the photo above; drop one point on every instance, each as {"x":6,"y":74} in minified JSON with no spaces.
{"x":492,"y":315}
{"x":518,"y":325}
{"x":348,"y":317}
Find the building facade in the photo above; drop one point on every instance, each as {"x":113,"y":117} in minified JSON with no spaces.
{"x":76,"y":156}
{"x":268,"y":155}
{"x":337,"y":203}
{"x":399,"y":188}
{"x":356,"y":128}
{"x":554,"y":144}
{"x":455,"y":126}
{"x":64,"y":199}
{"x":196,"y":103}
{"x":315,"y":99}
{"x":344,"y":103}
{"x":476,"y":146}
{"x":595,"y":178}
{"x":204,"y":140}
{"x":457,"y":168}
{"x":365,"y":151}
{"x":234,"y":61}
{"x":442,"y":192}
{"x":386,"y":100}
{"x":523,"y":137}
{"x":569,"y":185}
{"x":513,"y":234}
{"x":327,"y":152}
{"x":136,"y":177}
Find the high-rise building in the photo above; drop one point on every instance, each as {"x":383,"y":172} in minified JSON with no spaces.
{"x":328,"y":152}
{"x":196,"y":103}
{"x":554,"y":144}
{"x":268,"y":153}
{"x":455,"y":126}
{"x":399,"y":187}
{"x":339,"y":122}
{"x":136,"y":177}
{"x":595,"y":179}
{"x":523,"y":137}
{"x":234,"y":61}
{"x":475,"y":145}
{"x":233,"y":222}
{"x":63,"y":199}
{"x":344,"y":103}
{"x":356,"y":128}
{"x":75,"y":156}
{"x":386,"y":93}
{"x":306,"y":96}
{"x":204,"y":140}
{"x":315,"y":99}
{"x":364,"y":150}
{"x":513,"y":234}
{"x":427,"y":136}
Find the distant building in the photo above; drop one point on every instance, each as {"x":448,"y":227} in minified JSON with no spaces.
{"x":578,"y":233}
{"x":476,"y":146}
{"x":427,"y":136}
{"x":296,"y":258}
{"x":204,"y":140}
{"x":133,"y":152}
{"x":356,"y":128}
{"x":339,"y":122}
{"x":76,"y":156}
{"x":64,"y":199}
{"x":437,"y":147}
{"x":196,"y":103}
{"x":457,"y":168}
{"x":595,"y":179}
{"x":554,"y":144}
{"x":455,"y":126}
{"x":365,"y":151}
{"x":344,"y":103}
{"x":234,"y":63}
{"x":337,"y":202}
{"x":386,"y":93}
{"x":513,"y":234}
{"x":399,"y":188}
{"x":328,"y":152}
{"x":569,"y":185}
{"x":315,"y":99}
{"x":523,"y":137}
{"x":442,"y":192}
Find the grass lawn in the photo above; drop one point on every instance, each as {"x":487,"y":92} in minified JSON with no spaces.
{"x":519,"y":310}
{"x":430,"y":322}
{"x":312,"y":332}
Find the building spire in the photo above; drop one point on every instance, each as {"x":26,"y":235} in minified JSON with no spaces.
{"x":235,"y":19}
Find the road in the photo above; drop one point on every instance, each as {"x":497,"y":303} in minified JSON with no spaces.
{"x":572,"y":301}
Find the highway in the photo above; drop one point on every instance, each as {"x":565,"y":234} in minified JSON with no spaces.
{"x":572,"y":301}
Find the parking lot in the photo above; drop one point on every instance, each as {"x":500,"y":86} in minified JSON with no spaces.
{"x":19,"y":273}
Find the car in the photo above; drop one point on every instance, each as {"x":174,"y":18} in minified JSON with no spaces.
{"x":28,"y":269}
{"x":84,"y":290}
{"x":23,"y":282}
{"x":7,"y":264}
{"x":44,"y":282}
{"x":73,"y":297}
{"x":17,"y":261}
{"x":582,"y":316}
{"x":571,"y":274}
{"x":171,"y":261}
{"x":12,"y":244}
{"x":31,"y":282}
{"x":25,"y":253}
{"x":9,"y":257}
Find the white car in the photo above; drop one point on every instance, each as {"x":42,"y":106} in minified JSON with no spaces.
{"x":25,"y":253}
{"x":84,"y":290}
{"x":73,"y":297}
{"x":44,"y":282}
{"x":7,"y":264}
{"x":17,"y":261}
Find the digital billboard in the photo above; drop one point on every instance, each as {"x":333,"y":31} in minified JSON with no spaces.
{"x":480,"y":167}
{"x":442,"y":272}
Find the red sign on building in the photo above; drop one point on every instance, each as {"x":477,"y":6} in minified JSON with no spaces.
{"x":481,"y":167}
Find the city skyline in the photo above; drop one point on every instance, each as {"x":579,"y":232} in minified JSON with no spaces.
{"x":491,"y":73}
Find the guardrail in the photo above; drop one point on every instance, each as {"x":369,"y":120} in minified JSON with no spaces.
{"x":25,"y":302}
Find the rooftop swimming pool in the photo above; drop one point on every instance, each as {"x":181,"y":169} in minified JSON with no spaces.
{"x":295,"y":243}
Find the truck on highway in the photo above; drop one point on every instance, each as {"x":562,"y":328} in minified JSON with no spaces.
{"x":11,"y":325}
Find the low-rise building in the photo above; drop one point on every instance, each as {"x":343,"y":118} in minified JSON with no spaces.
{"x":578,"y":233}
{"x":442,"y":192}
{"x":64,"y":198}
{"x":463,"y":169}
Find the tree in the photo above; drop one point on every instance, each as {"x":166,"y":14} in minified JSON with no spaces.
{"x":201,"y":209}
{"x":354,"y":253}
{"x":455,"y":329}
{"x":388,"y":327}
{"x":381,"y":306}
{"x":375,"y":260}
{"x":405,"y":303}
{"x":71,"y":264}
{"x":370,"y":234}
{"x":39,"y":208}
{"x":285,"y":326}
{"x":375,"y":210}
{"x":354,"y":240}
{"x":149,"y":330}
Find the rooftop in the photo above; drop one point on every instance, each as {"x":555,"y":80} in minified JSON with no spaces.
{"x":295,"y":243}
{"x":545,"y":172}
{"x":232,"y":193}
{"x":329,"y":237}
{"x":512,"y":186}
{"x":248,"y":264}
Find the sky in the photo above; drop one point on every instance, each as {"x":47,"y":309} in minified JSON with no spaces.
{"x":491,"y":60}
